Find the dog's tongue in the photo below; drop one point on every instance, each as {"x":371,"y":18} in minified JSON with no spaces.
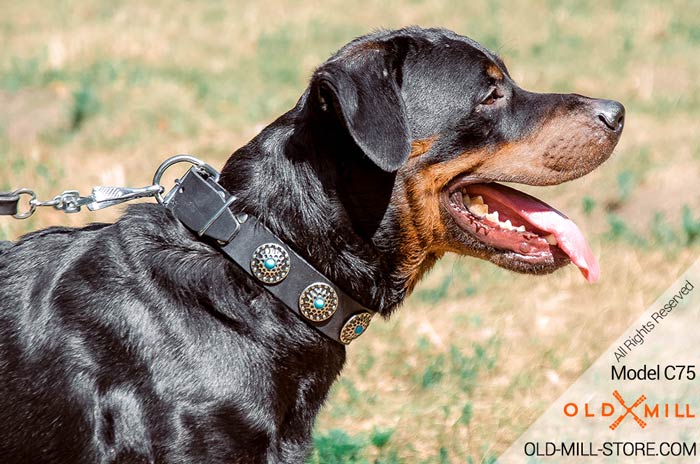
{"x":569,"y":237}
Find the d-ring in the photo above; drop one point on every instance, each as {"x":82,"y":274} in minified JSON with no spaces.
{"x":181,"y":159}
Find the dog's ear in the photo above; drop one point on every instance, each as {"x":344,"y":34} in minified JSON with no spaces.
{"x":363,"y":92}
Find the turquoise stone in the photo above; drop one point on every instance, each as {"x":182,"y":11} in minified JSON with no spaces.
{"x":319,"y":303}
{"x":359,"y":329}
{"x":270,"y":264}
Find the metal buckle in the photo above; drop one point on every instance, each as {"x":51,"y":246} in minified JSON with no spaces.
{"x":217,"y":215}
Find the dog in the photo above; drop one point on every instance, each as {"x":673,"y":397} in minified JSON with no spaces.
{"x":140,"y":342}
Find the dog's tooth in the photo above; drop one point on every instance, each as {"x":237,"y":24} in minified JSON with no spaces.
{"x":478,"y":200}
{"x":479,"y":209}
{"x":520,"y":228}
{"x":508,"y":225}
{"x":466,"y":199}
{"x":493,"y":217}
{"x":551,"y":239}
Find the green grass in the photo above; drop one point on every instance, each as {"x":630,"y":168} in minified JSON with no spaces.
{"x":85,"y":104}
{"x":662,"y":232}
{"x":690,"y":226}
{"x":337,"y":447}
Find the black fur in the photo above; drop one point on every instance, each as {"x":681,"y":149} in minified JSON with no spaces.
{"x":135,"y":342}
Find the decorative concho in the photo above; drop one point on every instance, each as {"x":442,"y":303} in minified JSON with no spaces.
{"x":270,"y":263}
{"x":355,"y":326}
{"x":318,"y":302}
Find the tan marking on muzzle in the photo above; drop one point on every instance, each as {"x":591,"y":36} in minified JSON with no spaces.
{"x":560,"y":149}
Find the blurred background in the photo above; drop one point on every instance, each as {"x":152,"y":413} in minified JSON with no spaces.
{"x":101,"y":92}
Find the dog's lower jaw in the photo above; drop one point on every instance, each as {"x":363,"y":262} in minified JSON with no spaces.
{"x":514,"y":264}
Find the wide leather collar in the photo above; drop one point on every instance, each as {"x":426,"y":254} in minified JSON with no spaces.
{"x":209,"y":211}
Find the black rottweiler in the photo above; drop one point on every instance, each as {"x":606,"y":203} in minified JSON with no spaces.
{"x":138,"y":342}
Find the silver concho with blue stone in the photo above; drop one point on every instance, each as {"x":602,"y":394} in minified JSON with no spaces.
{"x":270,"y":263}
{"x":355,"y":326}
{"x":318,"y":302}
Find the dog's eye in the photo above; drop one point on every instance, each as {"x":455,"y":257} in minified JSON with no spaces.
{"x":493,"y":96}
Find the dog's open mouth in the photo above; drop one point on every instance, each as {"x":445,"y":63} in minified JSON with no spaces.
{"x":510,"y":220}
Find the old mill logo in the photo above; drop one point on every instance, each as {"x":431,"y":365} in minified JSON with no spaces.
{"x":639,"y":411}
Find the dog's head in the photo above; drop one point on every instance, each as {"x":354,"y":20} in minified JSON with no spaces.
{"x":441,"y":114}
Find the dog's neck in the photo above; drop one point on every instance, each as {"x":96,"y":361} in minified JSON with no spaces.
{"x":332,"y":208}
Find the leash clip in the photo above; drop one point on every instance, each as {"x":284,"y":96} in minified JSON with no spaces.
{"x":71,"y":201}
{"x":103,"y":197}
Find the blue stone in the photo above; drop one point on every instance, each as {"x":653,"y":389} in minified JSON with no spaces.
{"x":270,"y":264}
{"x":319,"y":303}
{"x":359,"y":329}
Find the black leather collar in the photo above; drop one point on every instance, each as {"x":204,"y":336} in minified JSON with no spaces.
{"x":208,"y":210}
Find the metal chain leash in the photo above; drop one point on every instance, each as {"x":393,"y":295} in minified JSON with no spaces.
{"x":101,"y":197}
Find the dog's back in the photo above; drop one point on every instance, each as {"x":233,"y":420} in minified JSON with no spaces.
{"x":113,"y":349}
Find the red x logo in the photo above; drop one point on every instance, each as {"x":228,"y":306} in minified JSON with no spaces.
{"x":628,"y":410}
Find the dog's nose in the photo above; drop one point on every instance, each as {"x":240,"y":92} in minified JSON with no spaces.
{"x":612,"y":114}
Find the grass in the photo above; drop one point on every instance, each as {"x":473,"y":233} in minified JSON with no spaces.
{"x":100,"y":93}
{"x":337,"y":447}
